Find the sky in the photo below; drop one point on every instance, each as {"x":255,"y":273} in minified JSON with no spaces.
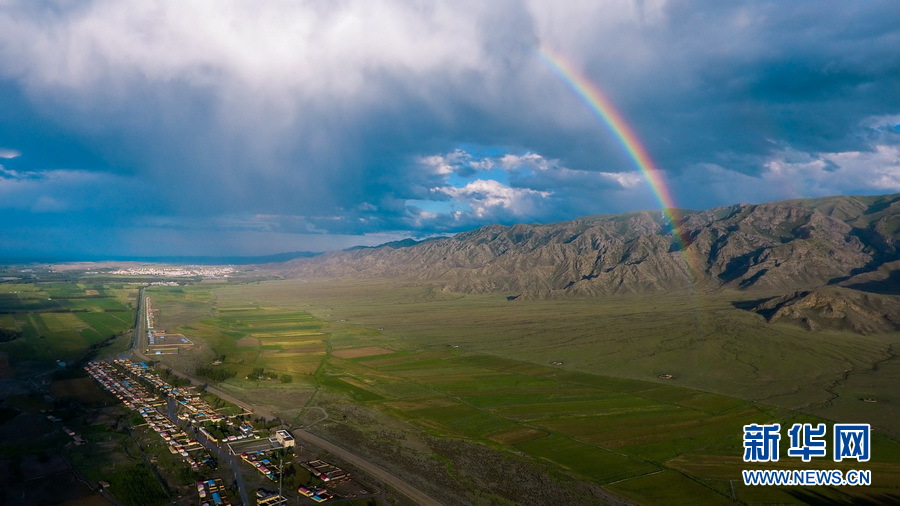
{"x":216,"y":127}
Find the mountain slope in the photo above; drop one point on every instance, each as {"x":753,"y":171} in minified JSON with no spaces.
{"x":786,"y":245}
{"x":835,"y":308}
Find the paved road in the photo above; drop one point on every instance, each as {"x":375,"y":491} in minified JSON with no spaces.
{"x":214,"y":448}
{"x":139,"y":332}
{"x":138,"y":321}
{"x":401,"y":486}
{"x":373,"y":470}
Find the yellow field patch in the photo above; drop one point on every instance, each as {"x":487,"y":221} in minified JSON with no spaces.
{"x":367,"y":351}
{"x":287,"y":333}
{"x":300,"y":366}
{"x":293,"y":353}
{"x":291,"y":342}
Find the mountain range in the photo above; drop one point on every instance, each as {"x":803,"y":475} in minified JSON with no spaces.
{"x":795,"y":248}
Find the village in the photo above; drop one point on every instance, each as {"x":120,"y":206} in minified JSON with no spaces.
{"x":198,"y":433}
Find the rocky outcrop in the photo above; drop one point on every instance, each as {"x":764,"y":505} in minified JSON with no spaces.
{"x":835,"y":308}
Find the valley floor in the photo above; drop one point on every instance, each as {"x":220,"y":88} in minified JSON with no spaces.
{"x":636,"y":394}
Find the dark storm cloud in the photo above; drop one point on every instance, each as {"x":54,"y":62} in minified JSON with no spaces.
{"x":706,"y":82}
{"x":312,"y":120}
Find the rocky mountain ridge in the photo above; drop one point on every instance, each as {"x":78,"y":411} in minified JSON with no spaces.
{"x":789,"y":246}
{"x":835,"y":308}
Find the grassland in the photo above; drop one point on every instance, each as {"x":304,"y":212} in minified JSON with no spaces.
{"x":62,"y":321}
{"x":625,"y":434}
{"x":242,"y":338}
{"x":703,"y":342}
{"x":645,"y":396}
{"x":576,"y":383}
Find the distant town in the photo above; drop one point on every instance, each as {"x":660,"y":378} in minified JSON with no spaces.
{"x":191,"y":271}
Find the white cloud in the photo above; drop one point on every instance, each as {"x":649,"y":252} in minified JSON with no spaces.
{"x":457,"y":161}
{"x":509,"y":187}
{"x":543,"y":168}
{"x":527,"y":167}
{"x":310,"y":48}
{"x":890,"y":122}
{"x":445,"y":164}
{"x":484,"y":197}
{"x":532,"y":161}
{"x":833,"y":173}
{"x":789,"y":173}
{"x":9,"y":153}
{"x":624,"y":179}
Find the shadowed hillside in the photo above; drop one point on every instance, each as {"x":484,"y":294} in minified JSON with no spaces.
{"x":790,"y":245}
{"x":835,"y":308}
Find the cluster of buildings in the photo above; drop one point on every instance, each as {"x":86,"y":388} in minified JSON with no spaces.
{"x":212,"y":493}
{"x":316,"y":494}
{"x":324,"y":471}
{"x":261,"y":463}
{"x":179,"y":442}
{"x":195,"y":408}
{"x":190,"y":271}
{"x":258,"y":459}
{"x":124,"y":383}
{"x":230,"y":431}
{"x":143,"y":391}
{"x":266,"y":498}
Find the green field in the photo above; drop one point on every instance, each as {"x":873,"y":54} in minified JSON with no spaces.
{"x":703,"y":342}
{"x":576,"y":383}
{"x":646,"y":396}
{"x":606,"y":430}
{"x":246,"y":336}
{"x":61,"y":321}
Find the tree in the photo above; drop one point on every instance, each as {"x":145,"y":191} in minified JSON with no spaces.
{"x":286,"y":378}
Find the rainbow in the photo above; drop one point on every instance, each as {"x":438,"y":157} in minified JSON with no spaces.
{"x":604,"y":109}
